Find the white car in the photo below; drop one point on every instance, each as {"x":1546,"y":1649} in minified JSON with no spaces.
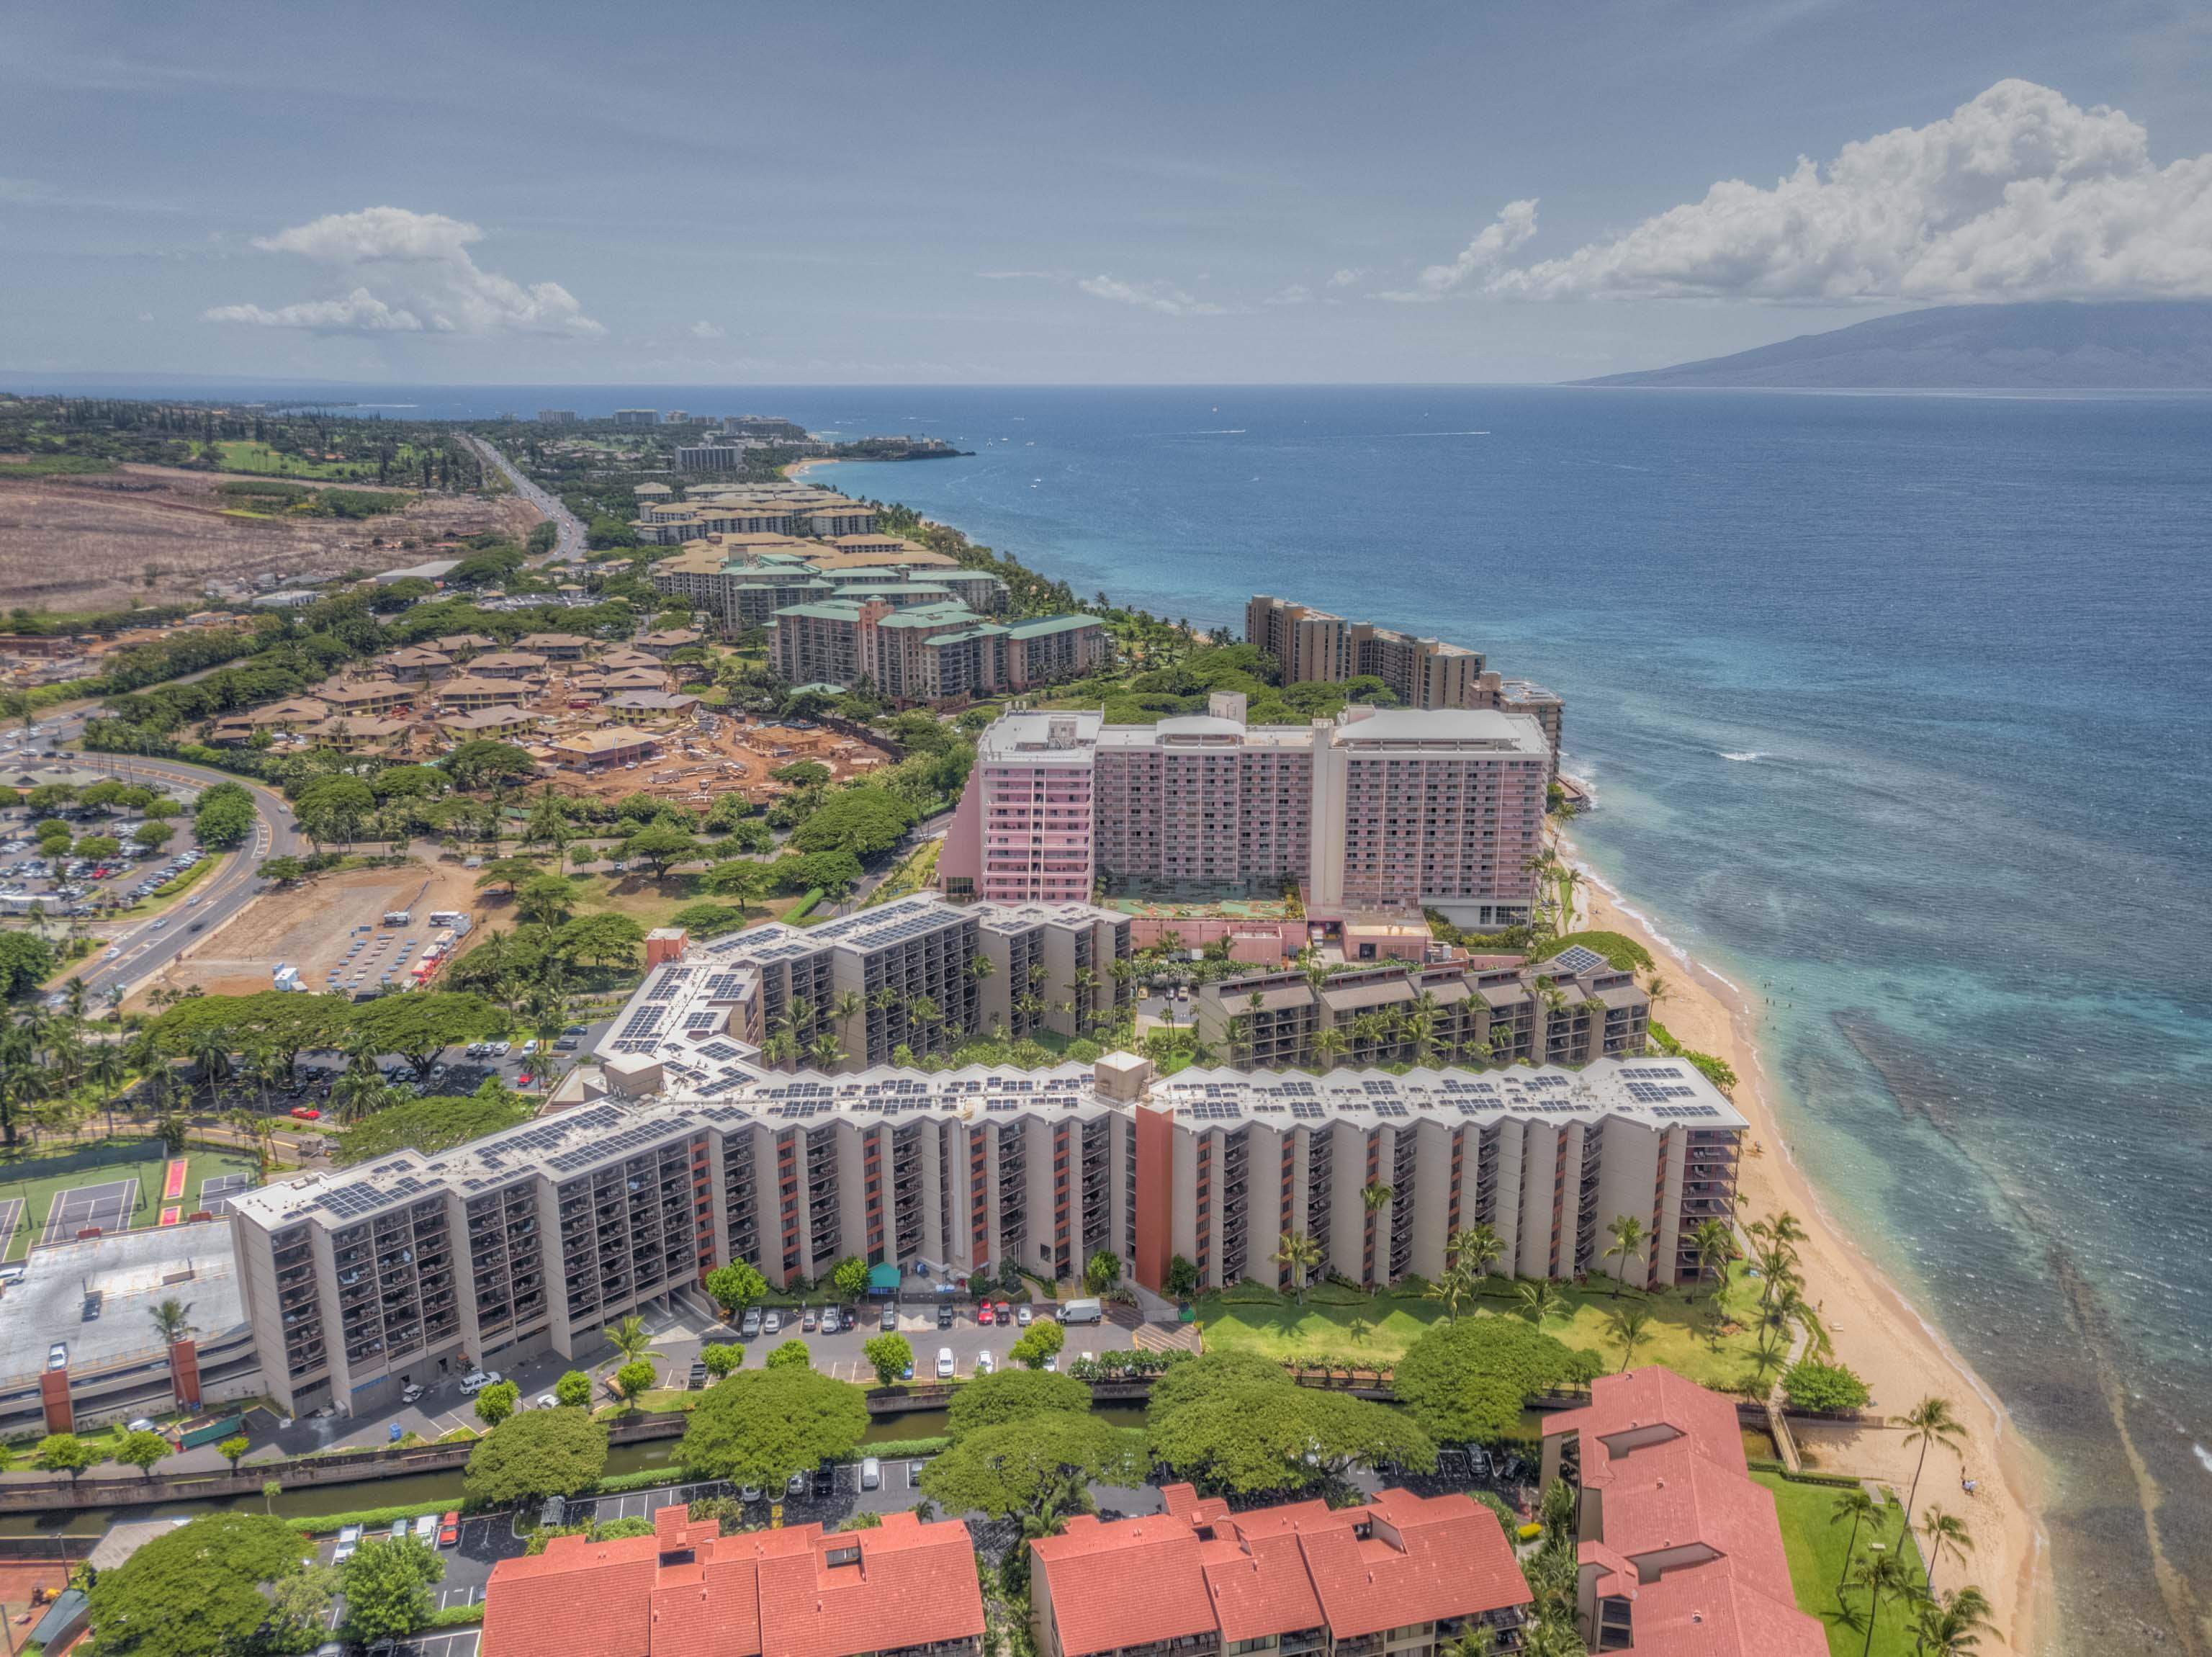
{"x":987,"y":1363}
{"x":412,"y":1392}
{"x":348,"y":1544}
{"x":547,"y":1401}
{"x":426,"y":1529}
{"x":945,"y":1363}
{"x":772,"y":1322}
{"x":830,"y":1323}
{"x":476,"y":1379}
{"x":1023,"y":1316}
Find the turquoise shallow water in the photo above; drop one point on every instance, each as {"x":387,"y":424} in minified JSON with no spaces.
{"x":1898,"y":711}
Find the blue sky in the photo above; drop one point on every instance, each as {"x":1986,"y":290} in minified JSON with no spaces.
{"x":866,"y":193}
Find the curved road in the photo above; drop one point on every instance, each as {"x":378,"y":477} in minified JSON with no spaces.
{"x":569,"y":546}
{"x":144,"y":948}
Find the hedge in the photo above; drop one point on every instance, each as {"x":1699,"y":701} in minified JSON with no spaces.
{"x":894,"y":1449}
{"x":1833,"y":1481}
{"x":454,"y":1617}
{"x":799,"y":910}
{"x":370,"y":1517}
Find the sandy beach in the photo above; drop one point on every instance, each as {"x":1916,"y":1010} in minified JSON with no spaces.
{"x":1876,"y":1331}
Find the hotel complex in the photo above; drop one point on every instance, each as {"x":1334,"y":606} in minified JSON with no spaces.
{"x":533,"y":1239}
{"x":1421,"y":673}
{"x":1376,"y":810}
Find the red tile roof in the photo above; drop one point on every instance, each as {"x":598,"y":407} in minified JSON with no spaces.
{"x":687,"y":1591}
{"x":1200,"y":1568}
{"x":1666,"y":1459}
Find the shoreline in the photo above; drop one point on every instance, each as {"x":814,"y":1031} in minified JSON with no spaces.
{"x":1901,"y":1353}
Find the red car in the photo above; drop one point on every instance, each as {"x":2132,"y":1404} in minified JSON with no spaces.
{"x":449,"y":1529}
{"x":306,"y":1112}
{"x":982,"y":1312}
{"x":524,"y":1080}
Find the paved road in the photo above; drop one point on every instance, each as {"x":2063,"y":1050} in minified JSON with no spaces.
{"x":569,"y":548}
{"x":137,"y":950}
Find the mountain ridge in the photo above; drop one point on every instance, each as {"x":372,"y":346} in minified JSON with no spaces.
{"x":2054,"y":345}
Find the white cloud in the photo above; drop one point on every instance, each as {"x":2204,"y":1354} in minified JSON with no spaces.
{"x":1481,"y":258}
{"x":410,"y":272}
{"x":1296,"y":294}
{"x":706,"y":331}
{"x":2017,"y":194}
{"x":1344,"y":278}
{"x":1167,"y":300}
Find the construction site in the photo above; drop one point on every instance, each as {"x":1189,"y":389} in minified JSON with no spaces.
{"x":716,"y":754}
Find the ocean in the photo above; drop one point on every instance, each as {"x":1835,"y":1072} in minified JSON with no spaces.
{"x":1898,"y":710}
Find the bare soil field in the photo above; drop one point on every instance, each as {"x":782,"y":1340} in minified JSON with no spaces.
{"x":695,"y":768}
{"x":93,"y":542}
{"x":312,"y":926}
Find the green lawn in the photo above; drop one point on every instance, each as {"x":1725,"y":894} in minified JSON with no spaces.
{"x":245,"y":456}
{"x":38,"y":1178}
{"x":1694,"y":1337}
{"x":1816,"y":1563}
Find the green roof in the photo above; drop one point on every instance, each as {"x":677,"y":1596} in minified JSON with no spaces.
{"x":931,"y":615}
{"x":882,"y":1277}
{"x":1039,"y":626}
{"x":825,"y":611}
{"x":991,"y":630}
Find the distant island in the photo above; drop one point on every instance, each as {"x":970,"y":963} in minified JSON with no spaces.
{"x":2143,"y":345}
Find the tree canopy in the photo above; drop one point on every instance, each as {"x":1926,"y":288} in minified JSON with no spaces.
{"x":197,"y":1590}
{"x":1013,"y":1395}
{"x":736,"y":1286}
{"x":482,"y":763}
{"x":535,"y":1454}
{"x":387,"y":1588}
{"x":864,"y":822}
{"x":224,"y":815}
{"x":420,"y":1025}
{"x":1233,"y":1422}
{"x":1467,"y":1382}
{"x":1021,"y":1467}
{"x":761,"y":1426}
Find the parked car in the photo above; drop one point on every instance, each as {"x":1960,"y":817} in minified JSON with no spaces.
{"x":795,"y":1486}
{"x":945,"y":1314}
{"x":547,"y":1401}
{"x":771,"y":1321}
{"x":1052,"y":1363}
{"x":751,"y":1493}
{"x":398,"y":1531}
{"x":449,"y":1529}
{"x":426,"y":1529}
{"x":987,"y":1363}
{"x":983,"y":1314}
{"x":306,"y":1112}
{"x":810,"y":1320}
{"x":1005,"y":1313}
{"x":945,"y":1363}
{"x":830,"y":1321}
{"x":348,"y":1544}
{"x":412,"y":1392}
{"x":752,"y":1326}
{"x":1023,"y":1316}
{"x":476,"y":1379}
{"x":871,"y":1474}
{"x":888,"y":1322}
{"x":698,"y":1374}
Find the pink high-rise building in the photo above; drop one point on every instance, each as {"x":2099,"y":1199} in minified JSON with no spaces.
{"x":1375,"y":810}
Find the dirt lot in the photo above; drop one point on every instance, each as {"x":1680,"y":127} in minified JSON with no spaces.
{"x":310,"y":927}
{"x":88,"y":543}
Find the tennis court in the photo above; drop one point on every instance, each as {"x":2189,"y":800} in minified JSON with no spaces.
{"x":217,"y":1189}
{"x":11,"y":1216}
{"x":108,"y":1206}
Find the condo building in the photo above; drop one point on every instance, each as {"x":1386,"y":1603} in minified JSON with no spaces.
{"x":901,"y":1588}
{"x":531,"y":1241}
{"x":1376,"y":810}
{"x":1568,"y":1010}
{"x":1421,"y":673}
{"x":1677,"y":1552}
{"x":1400,"y":1575}
{"x":918,"y":647}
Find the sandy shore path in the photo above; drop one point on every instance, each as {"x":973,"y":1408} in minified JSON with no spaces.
{"x":1876,"y":1331}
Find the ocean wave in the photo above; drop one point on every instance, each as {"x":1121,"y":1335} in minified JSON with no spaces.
{"x":1746,"y":757}
{"x":2204,"y":1455}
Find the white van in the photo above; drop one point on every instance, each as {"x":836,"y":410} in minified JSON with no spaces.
{"x":945,"y":1363}
{"x":871,"y":1474}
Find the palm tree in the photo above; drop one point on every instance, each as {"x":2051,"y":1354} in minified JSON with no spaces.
{"x":630,"y":1338}
{"x":1539,"y":1301}
{"x":1478,"y":1243}
{"x":1459,"y":1282}
{"x":211,"y":1053}
{"x":359,"y":1093}
{"x":825,"y":1053}
{"x":173,"y":1320}
{"x":1930,"y":1421}
{"x":1715,"y":1247}
{"x":1631,"y":1324}
{"x":1954,"y":1623}
{"x":1376,"y":1195}
{"x":1882,"y":1575}
{"x":1627,"y":1234}
{"x":107,"y":1071}
{"x":1329,"y":1045}
{"x":1861,"y":1508}
{"x":1946,"y":1533}
{"x":1303,"y":1255}
{"x":848,"y":1006}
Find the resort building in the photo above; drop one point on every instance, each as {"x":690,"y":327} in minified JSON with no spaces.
{"x":1376,"y":810}
{"x":1306,"y":643}
{"x":1568,"y":1010}
{"x":554,"y":647}
{"x":461,"y":694}
{"x":916,"y":649}
{"x":1421,"y":673}
{"x":369,"y":696}
{"x":603,"y":749}
{"x":497,"y":723}
{"x":711,"y":457}
{"x":1680,"y":1551}
{"x":694,"y":1153}
{"x":508,"y":664}
{"x":903,"y":1588}
{"x":1401,"y":1574}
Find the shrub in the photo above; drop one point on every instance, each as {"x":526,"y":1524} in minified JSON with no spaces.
{"x":1812,"y":1385}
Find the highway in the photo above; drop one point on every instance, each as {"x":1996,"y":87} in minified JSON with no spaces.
{"x":138,"y":949}
{"x":569,"y":548}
